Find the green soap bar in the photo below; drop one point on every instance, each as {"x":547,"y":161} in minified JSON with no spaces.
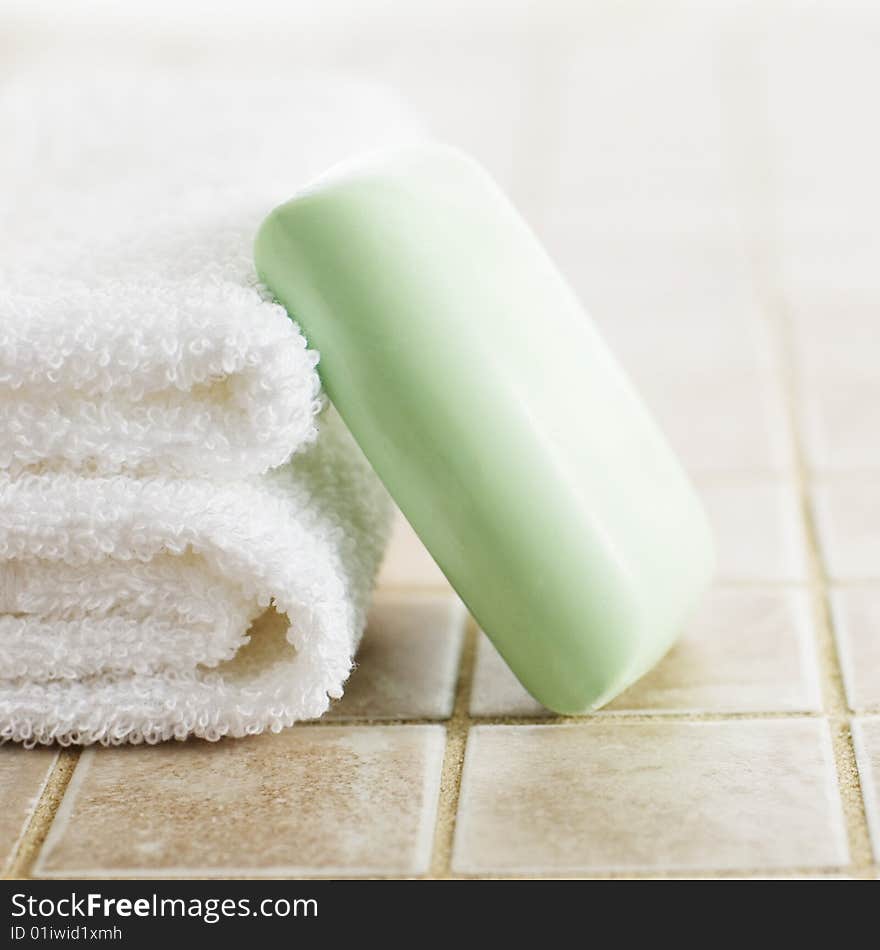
{"x":492,"y":410}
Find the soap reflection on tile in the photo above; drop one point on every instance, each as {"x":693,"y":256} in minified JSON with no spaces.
{"x":309,"y":801}
{"x":23,"y":773}
{"x":758,"y":527}
{"x":407,"y":562}
{"x":407,"y":663}
{"x":663,"y":796}
{"x":744,"y":651}
{"x":856,"y":613}
{"x":866,"y":738}
{"x":848,"y":520}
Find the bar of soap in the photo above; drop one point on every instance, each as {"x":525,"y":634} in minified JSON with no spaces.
{"x":494,"y":413}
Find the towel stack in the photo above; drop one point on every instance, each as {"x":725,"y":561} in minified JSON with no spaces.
{"x":188,"y":539}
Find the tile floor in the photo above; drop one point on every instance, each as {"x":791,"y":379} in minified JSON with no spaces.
{"x":330,"y":801}
{"x":678,"y":796}
{"x":713,"y":198}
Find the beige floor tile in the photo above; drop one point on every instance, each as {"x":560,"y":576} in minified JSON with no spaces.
{"x":842,"y":424}
{"x":744,"y":651}
{"x":856,"y":613}
{"x":848,"y":519}
{"x":733,"y":341}
{"x":310,"y":801}
{"x":835,"y":335}
{"x":654,"y":174}
{"x":758,"y":529}
{"x":693,"y":304}
{"x":828,"y":263}
{"x":407,"y":664}
{"x":407,"y":563}
{"x":23,"y":773}
{"x":866,"y":737}
{"x":721,"y":422}
{"x":748,"y":794}
{"x":495,"y":691}
{"x":823,"y":189}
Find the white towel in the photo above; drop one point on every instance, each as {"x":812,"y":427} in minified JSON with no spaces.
{"x":133,"y":331}
{"x":187,"y":542}
{"x":128,"y":601}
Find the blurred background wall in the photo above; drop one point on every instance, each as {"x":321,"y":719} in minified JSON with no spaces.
{"x":673,"y":155}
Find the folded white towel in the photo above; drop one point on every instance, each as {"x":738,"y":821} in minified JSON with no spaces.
{"x":127,"y":602}
{"x":160,"y":575}
{"x":124,"y":377}
{"x":133,"y":331}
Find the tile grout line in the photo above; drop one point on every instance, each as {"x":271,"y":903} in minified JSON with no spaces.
{"x":9,"y":860}
{"x":457,"y":727}
{"x":601,"y":715}
{"x":754,"y":174}
{"x":703,"y":873}
{"x":833,"y":690}
{"x":44,"y":813}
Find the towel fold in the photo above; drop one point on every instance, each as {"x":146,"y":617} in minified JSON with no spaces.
{"x":150,"y":608}
{"x":225,"y":389}
{"x":188,"y":539}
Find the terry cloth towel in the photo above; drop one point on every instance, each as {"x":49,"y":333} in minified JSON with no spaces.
{"x":128,"y":602}
{"x":188,"y":541}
